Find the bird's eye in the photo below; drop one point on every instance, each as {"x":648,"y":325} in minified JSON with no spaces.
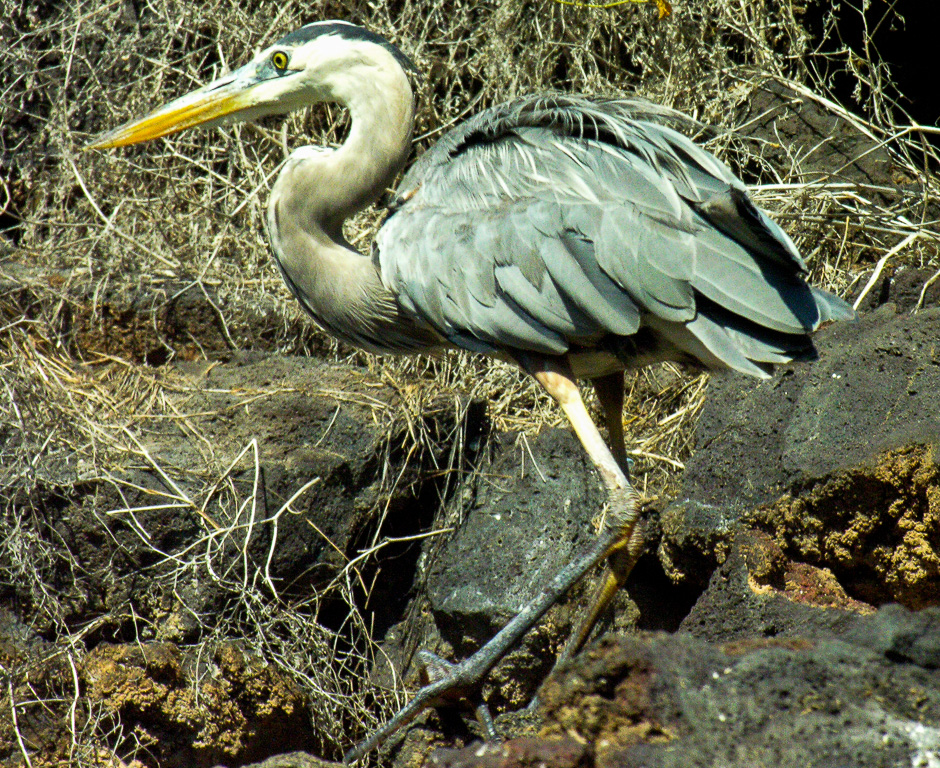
{"x":279,"y":60}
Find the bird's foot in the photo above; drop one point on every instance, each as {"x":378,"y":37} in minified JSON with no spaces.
{"x":435,"y":669}
{"x":457,"y":681}
{"x":621,"y":558}
{"x":445,"y":684}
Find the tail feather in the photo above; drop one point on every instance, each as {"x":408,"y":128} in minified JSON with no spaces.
{"x":735,"y":342}
{"x":831,"y":307}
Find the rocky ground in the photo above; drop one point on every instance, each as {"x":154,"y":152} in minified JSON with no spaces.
{"x":809,"y":517}
{"x":781,"y":615}
{"x":218,"y":554}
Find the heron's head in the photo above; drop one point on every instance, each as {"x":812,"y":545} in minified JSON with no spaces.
{"x":324,"y":61}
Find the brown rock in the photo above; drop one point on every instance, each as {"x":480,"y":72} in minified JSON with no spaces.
{"x":236,"y":709}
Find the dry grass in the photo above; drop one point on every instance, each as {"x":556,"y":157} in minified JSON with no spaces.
{"x":189,"y":212}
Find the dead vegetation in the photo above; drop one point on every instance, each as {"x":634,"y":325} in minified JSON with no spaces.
{"x":97,"y":249}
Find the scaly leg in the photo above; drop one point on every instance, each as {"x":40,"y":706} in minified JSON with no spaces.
{"x":609,"y":391}
{"x":623,"y":557}
{"x":620,"y":561}
{"x":623,"y":512}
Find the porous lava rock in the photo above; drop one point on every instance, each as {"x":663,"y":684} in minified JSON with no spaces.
{"x":185,"y":716}
{"x":661,"y":700}
{"x":837,"y":460}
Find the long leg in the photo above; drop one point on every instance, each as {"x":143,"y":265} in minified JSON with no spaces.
{"x":556,"y":377}
{"x":623,"y":556}
{"x":609,"y":391}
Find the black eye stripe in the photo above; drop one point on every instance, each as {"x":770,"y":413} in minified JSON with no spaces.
{"x":347,"y":32}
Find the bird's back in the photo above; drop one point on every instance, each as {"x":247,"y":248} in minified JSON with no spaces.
{"x":561,"y":225}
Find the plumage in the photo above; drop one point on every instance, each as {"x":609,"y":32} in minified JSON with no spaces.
{"x":577,"y":237}
{"x":589,"y":219}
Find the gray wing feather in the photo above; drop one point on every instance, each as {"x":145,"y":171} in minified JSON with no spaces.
{"x":722,"y":345}
{"x":550,"y":223}
{"x":735,"y":278}
{"x":652,"y":260}
{"x":460,"y":297}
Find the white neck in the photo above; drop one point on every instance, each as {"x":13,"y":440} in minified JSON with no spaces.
{"x":318,"y":189}
{"x":327,"y":187}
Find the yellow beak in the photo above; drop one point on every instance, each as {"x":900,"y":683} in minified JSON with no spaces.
{"x":211,"y":104}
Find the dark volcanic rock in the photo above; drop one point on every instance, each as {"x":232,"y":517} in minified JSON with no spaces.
{"x":875,"y":387}
{"x":830,"y":147}
{"x":904,"y":636}
{"x":169,"y":536}
{"x":545,"y":753}
{"x":528,"y":511}
{"x":838,"y":460}
{"x":757,"y":592}
{"x":292,"y":760}
{"x":673,"y":701}
{"x":908,"y":288}
{"x":521,"y":515}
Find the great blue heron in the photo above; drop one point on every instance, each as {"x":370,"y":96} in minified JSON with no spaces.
{"x":575,"y":237}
